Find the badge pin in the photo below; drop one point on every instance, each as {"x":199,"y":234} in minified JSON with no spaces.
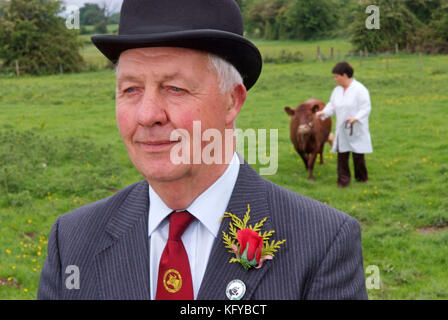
{"x":172,"y":280}
{"x":235,"y":290}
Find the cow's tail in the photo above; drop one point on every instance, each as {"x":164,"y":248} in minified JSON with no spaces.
{"x":331,"y":139}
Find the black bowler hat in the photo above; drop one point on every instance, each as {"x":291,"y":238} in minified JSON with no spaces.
{"x":214,"y":26}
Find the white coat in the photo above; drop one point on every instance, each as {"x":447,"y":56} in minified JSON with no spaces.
{"x":353,"y":103}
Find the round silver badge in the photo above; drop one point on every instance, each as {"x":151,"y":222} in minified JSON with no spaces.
{"x":235,"y":290}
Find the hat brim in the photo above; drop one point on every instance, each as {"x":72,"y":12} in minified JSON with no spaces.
{"x":234,"y":48}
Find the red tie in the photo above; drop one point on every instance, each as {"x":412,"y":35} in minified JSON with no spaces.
{"x":174,"y":281}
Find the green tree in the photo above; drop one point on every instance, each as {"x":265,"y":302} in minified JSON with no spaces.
{"x":412,"y":24}
{"x":345,"y":11}
{"x":2,"y":5}
{"x":91,"y":14}
{"x":32,"y":33}
{"x":292,"y":19}
{"x":398,"y":25}
{"x":261,"y":17}
{"x":436,"y":34}
{"x":311,"y":19}
{"x":114,"y":18}
{"x":100,"y":27}
{"x":423,"y":9}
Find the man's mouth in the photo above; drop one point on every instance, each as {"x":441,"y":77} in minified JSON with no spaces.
{"x":157,"y":145}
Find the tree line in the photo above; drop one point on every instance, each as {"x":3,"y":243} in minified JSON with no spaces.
{"x":98,"y":16}
{"x":34,"y":38}
{"x":412,"y":24}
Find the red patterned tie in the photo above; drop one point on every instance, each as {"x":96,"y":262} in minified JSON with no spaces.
{"x":174,"y":281}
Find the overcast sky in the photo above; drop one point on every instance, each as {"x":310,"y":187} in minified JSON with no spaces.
{"x":115,"y":4}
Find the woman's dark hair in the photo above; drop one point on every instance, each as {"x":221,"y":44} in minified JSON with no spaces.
{"x":343,"y":67}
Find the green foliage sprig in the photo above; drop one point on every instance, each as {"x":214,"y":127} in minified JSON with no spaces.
{"x":231,"y":240}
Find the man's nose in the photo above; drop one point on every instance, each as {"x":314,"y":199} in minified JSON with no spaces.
{"x":151,"y":110}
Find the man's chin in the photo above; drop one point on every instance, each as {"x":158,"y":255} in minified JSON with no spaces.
{"x":164,"y":172}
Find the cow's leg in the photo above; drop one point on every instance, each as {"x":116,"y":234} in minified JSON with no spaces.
{"x":311,"y":161}
{"x":321,"y":150}
{"x":304,"y":157}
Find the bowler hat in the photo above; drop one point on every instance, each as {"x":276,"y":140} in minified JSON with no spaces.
{"x":214,"y":26}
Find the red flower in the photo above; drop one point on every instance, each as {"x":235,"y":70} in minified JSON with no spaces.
{"x":252,"y":242}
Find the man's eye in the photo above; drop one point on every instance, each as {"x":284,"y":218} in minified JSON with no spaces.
{"x":176,"y":89}
{"x":129,"y":90}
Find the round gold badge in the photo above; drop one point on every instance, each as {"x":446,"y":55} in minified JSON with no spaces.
{"x":172,"y":281}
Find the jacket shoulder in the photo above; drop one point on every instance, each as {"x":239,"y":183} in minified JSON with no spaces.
{"x":81,"y":220}
{"x":308,"y":223}
{"x":299,"y":208}
{"x":323,"y":249}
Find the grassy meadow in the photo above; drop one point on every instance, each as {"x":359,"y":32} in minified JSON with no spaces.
{"x":60,"y":149}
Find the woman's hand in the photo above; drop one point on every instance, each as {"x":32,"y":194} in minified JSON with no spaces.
{"x":352,"y":120}
{"x":319,"y":114}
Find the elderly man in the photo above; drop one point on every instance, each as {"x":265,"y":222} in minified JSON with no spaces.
{"x":195,"y":230}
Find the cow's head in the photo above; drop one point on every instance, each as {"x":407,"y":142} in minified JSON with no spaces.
{"x":303,"y":116}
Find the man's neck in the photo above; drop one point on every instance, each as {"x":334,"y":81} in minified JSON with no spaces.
{"x":180,"y":193}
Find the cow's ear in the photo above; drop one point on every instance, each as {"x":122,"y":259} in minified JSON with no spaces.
{"x":315,"y":108}
{"x":289,"y":111}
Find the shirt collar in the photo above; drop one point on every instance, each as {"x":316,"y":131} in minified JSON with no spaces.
{"x":208,"y":207}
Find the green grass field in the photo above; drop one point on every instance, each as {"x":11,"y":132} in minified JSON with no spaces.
{"x":60,"y":149}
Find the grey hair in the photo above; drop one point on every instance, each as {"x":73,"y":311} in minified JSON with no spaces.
{"x":228,"y":76}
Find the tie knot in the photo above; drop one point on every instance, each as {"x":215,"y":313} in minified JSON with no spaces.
{"x":179,"y":222}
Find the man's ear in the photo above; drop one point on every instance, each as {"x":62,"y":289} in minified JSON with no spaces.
{"x":237,"y":98}
{"x":289,"y":111}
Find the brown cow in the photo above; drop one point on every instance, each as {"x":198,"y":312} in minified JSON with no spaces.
{"x":308,"y":133}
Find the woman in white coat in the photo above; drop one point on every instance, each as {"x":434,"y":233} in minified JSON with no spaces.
{"x":350,"y":101}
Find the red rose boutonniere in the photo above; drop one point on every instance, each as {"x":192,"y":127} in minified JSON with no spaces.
{"x":250,"y":246}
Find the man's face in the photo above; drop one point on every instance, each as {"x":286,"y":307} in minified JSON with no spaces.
{"x":160,"y":90}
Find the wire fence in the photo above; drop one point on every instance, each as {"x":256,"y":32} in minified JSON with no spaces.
{"x":360,"y":57}
{"x":281,"y":55}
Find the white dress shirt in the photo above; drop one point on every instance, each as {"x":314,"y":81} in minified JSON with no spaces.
{"x":353,"y":103}
{"x":208,"y":209}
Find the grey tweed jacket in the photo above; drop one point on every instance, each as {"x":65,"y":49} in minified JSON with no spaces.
{"x":108,"y":242}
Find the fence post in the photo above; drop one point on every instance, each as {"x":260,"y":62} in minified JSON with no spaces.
{"x":17,"y":68}
{"x":318,"y":54}
{"x":61,"y":71}
{"x":366,"y":52}
{"x":420,"y":61}
{"x":387,"y":60}
{"x":360,"y":58}
{"x":396,"y":48}
{"x":332,"y":53}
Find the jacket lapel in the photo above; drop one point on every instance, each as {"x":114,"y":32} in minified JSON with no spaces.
{"x":249,"y":189}
{"x":122,"y":260}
